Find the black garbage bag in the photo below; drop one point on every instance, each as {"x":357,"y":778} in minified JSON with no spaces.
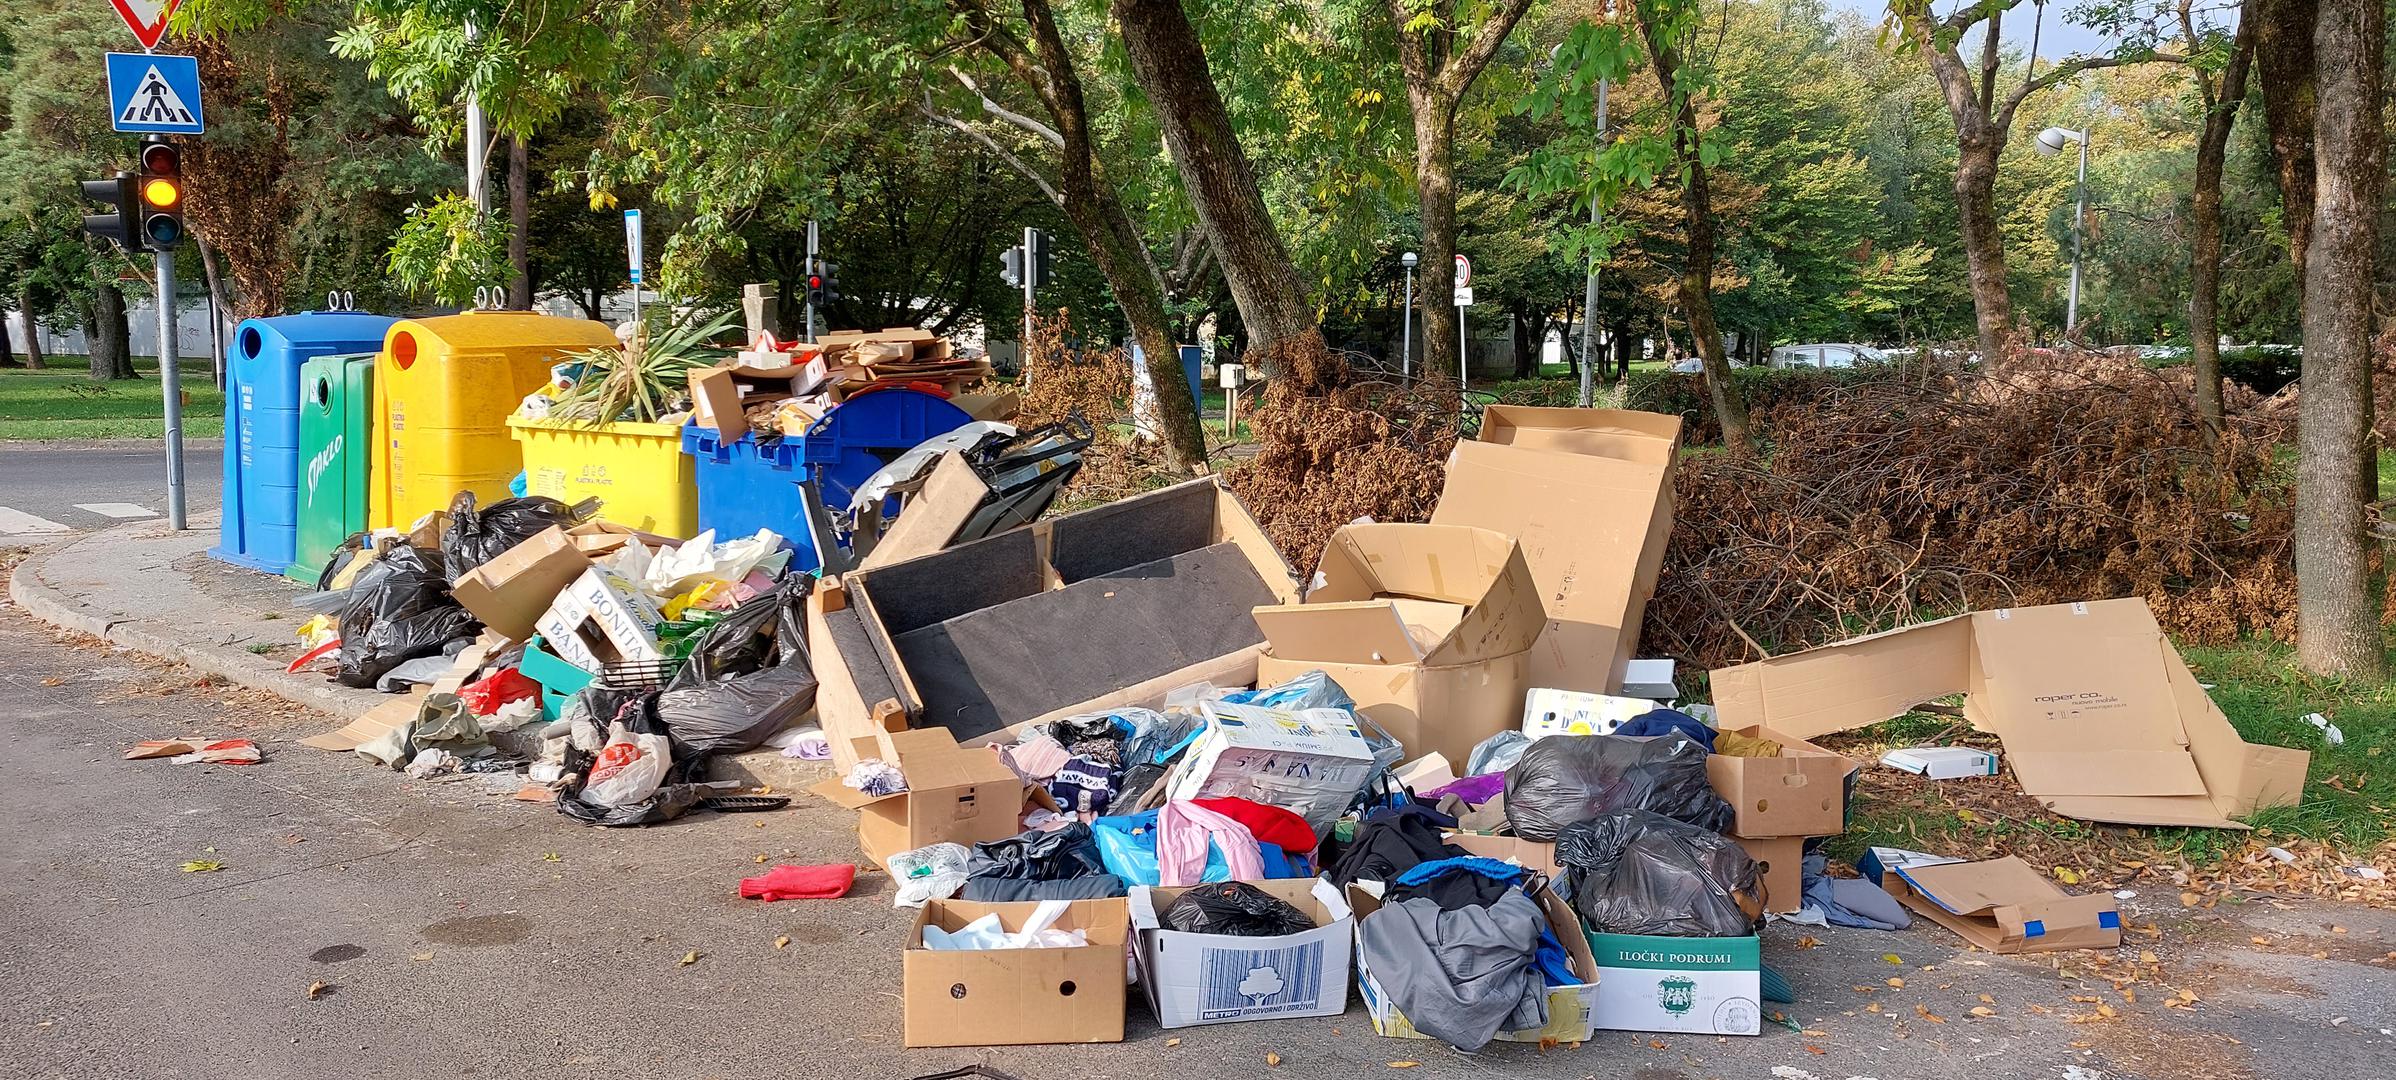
{"x":1636,"y":872}
{"x":1234,"y":908}
{"x":1564,"y":779}
{"x":748,"y":677}
{"x":1039,"y":856}
{"x":474,"y":537}
{"x":671,"y":801}
{"x":400,"y":610}
{"x":1092,"y":728}
{"x":350,"y":548}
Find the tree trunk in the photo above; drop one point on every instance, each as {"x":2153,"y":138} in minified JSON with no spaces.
{"x":2285,"y":62}
{"x":2204,"y":270}
{"x":1435,"y":191}
{"x":111,"y":338}
{"x":33,"y":331}
{"x":2337,"y":618}
{"x":1171,"y":68}
{"x":1983,"y":245}
{"x":519,"y":222}
{"x":1696,"y":285}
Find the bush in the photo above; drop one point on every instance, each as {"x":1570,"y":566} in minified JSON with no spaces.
{"x":2263,"y":369}
{"x":1763,"y":388}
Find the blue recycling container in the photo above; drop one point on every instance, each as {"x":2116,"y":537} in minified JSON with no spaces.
{"x":262,"y":413}
{"x":746,"y":485}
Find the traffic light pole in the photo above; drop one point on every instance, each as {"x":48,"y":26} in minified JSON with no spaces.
{"x":811,"y":270}
{"x":170,"y":381}
{"x":1029,"y":257}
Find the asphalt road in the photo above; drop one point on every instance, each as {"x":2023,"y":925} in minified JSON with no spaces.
{"x":48,"y":491}
{"x":456,"y":933}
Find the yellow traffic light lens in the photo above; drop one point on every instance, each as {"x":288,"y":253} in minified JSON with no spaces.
{"x":162,"y":194}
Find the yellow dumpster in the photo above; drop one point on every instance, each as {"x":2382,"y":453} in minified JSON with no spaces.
{"x":638,"y":471}
{"x":443,"y":390}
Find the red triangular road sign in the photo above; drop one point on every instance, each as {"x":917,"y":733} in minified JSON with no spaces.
{"x":147,"y":18}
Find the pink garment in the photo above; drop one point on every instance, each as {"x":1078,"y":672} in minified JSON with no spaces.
{"x":1037,"y":758}
{"x":1183,"y":830}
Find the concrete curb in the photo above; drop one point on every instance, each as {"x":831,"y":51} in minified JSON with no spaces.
{"x":238,"y":666}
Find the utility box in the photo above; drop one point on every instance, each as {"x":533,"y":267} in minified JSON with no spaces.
{"x":443,"y":391}
{"x":263,"y":460}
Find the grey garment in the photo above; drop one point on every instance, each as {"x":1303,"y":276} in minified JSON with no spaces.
{"x":1460,"y":976}
{"x":1003,"y":890}
{"x":1851,"y":901}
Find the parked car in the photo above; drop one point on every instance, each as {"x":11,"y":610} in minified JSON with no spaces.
{"x":1827,"y":355}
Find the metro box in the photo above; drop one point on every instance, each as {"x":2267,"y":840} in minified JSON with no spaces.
{"x":1194,"y":979}
{"x":1800,"y":793}
{"x":2100,"y":717}
{"x":1428,"y":627}
{"x":954,"y":795}
{"x":1588,"y":495}
{"x":1571,"y":1010}
{"x":1014,"y":997}
{"x":1690,"y":985}
{"x":1311,"y":761}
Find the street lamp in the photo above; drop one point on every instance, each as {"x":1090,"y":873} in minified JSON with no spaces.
{"x":1406,"y":335}
{"x":2050,"y":143}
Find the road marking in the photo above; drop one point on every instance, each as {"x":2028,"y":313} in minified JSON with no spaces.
{"x":19,"y":523}
{"x":119,"y":511}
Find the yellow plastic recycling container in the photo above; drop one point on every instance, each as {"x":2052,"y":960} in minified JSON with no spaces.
{"x":444,"y":388}
{"x":638,"y":471}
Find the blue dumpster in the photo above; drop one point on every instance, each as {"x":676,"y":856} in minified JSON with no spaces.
{"x":262,"y":412}
{"x":746,"y":485}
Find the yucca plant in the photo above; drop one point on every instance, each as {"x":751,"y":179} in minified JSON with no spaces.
{"x":639,"y":380}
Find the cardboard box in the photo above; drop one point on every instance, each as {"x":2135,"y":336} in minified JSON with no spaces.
{"x":1692,"y":985}
{"x":1877,"y":862}
{"x":512,"y":591}
{"x":2005,"y":906}
{"x":1942,"y":762}
{"x":1002,"y":405}
{"x":598,"y":539}
{"x":1107,"y":607}
{"x":1588,"y":494}
{"x":1311,"y":762}
{"x":1014,"y":997}
{"x":721,"y":395}
{"x":1650,"y":679}
{"x":1783,"y":861}
{"x":2100,"y":716}
{"x":1533,"y":854}
{"x":1428,"y":627}
{"x":1571,"y":1010}
{"x":1573,"y":712}
{"x":932,"y":517}
{"x":1196,"y":979}
{"x":1800,"y":793}
{"x":600,"y":619}
{"x":954,"y":795}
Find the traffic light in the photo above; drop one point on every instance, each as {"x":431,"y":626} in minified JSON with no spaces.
{"x":815,"y":283}
{"x":121,"y":222}
{"x":1010,"y":264}
{"x":831,"y":273}
{"x":161,"y":190}
{"x":1038,"y":262}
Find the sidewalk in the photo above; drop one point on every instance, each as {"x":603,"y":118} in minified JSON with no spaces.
{"x":148,"y":588}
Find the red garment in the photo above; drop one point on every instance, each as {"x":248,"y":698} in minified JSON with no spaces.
{"x":1269,"y":824}
{"x":506,"y":685}
{"x":826,"y":882}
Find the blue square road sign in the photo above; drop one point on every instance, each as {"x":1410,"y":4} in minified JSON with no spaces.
{"x":154,"y":93}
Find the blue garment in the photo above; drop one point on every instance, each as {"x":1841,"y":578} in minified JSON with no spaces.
{"x":1501,"y":871}
{"x":1555,"y":965}
{"x":1668,"y":722}
{"x":1127,"y":845}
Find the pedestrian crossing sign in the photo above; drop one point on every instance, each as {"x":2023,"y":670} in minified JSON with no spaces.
{"x":158,"y":93}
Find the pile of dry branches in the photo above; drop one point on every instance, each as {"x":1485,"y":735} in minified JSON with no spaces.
{"x":1884,"y":503}
{"x":1334,"y":447}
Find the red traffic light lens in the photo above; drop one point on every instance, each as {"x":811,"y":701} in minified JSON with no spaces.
{"x":815,"y":282}
{"x":160,"y":159}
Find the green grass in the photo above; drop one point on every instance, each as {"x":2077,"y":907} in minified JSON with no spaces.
{"x":62,"y":402}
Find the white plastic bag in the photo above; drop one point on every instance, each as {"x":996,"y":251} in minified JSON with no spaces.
{"x":931,"y":872}
{"x":699,"y":560}
{"x":629,"y":768}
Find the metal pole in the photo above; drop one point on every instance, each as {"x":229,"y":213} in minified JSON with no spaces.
{"x":1464,"y":354}
{"x":1406,"y":335}
{"x":478,"y":140}
{"x":1589,"y":297}
{"x":170,"y":382}
{"x":2071,"y":310}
